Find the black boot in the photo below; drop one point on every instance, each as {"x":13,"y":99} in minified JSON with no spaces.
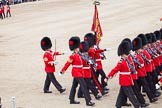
{"x":98,"y":97}
{"x":74,"y":102}
{"x":47,"y":91}
{"x":90,"y":103}
{"x":62,"y":90}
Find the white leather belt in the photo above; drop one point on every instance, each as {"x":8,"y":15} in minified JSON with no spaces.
{"x":125,"y":73}
{"x":142,"y":65}
{"x":98,"y":59}
{"x":78,"y":66}
{"x":86,"y":67}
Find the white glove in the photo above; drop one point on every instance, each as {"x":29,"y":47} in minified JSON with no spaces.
{"x":157,"y":86}
{"x":90,"y":62}
{"x":95,"y":46}
{"x":60,"y":73}
{"x":55,"y":62}
{"x":107,"y":49}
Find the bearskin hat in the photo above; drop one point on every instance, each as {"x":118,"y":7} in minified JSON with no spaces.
{"x":137,"y":43}
{"x":129,"y":41}
{"x":84,"y":47}
{"x":90,"y":38}
{"x":123,"y":48}
{"x":149,"y":37}
{"x":46,"y":43}
{"x":144,"y":39}
{"x":153,"y":37}
{"x":74,"y":42}
{"x":158,"y":35}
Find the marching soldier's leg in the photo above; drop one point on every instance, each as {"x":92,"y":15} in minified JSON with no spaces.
{"x":55,"y":82}
{"x":73,"y":91}
{"x":80,"y":93}
{"x":91,"y":87}
{"x":86,"y":94}
{"x":147,"y":89}
{"x":121,"y":96}
{"x":154,"y":77}
{"x":103,"y":76}
{"x":130,"y":94}
{"x":47,"y":84}
{"x":139,"y":94}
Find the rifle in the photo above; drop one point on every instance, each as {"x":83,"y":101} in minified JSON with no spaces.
{"x":135,"y":60}
{"x":145,"y":58}
{"x":132,"y":68}
{"x":151,"y":53}
{"x":157,"y":50}
{"x":88,"y":59}
{"x":103,"y":57}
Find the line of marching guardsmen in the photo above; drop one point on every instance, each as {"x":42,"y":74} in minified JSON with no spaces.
{"x":139,"y":69}
{"x":3,"y":9}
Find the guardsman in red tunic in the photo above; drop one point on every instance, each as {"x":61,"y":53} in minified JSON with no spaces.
{"x":135,"y":87}
{"x":1,"y":16}
{"x":147,"y":63}
{"x":48,"y":58}
{"x":140,"y":68}
{"x":77,"y":72}
{"x":87,"y":72}
{"x":95,"y":54}
{"x":160,"y":82}
{"x":157,"y":47}
{"x":8,"y":11}
{"x":156,"y":55}
{"x":125,"y":77}
{"x":153,"y":73}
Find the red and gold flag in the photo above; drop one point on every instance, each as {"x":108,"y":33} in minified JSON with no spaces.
{"x":96,"y":27}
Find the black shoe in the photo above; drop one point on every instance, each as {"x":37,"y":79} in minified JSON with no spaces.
{"x":127,"y":104}
{"x":47,"y":91}
{"x":98,"y":97}
{"x":157,"y":94}
{"x":74,"y":102}
{"x":105,"y":92}
{"x":80,"y":96}
{"x":90,"y":103}
{"x":145,"y":105}
{"x":154,"y":100}
{"x":62,"y":90}
{"x":106,"y":88}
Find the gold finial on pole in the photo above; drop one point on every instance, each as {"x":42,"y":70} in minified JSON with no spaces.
{"x":95,"y":2}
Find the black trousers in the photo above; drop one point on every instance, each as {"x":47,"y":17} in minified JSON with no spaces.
{"x":154,"y":77}
{"x":150,"y":82}
{"x":127,"y":91}
{"x":1,"y":16}
{"x":138,"y":93}
{"x":142,"y":82}
{"x":103,"y":76}
{"x":157,"y":70}
{"x":84,"y":89}
{"x":51,"y":78}
{"x":90,"y":86}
